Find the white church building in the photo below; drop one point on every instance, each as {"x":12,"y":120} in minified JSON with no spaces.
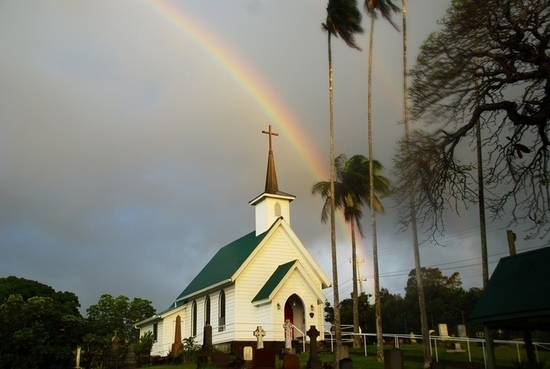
{"x":264,"y":278}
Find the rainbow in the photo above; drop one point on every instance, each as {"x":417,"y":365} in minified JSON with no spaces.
{"x":252,"y":83}
{"x":255,"y":87}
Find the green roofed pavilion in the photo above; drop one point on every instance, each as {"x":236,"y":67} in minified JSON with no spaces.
{"x":518,"y":293}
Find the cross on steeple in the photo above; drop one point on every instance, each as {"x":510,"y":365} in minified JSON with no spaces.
{"x":271,"y":185}
{"x":270,"y":133}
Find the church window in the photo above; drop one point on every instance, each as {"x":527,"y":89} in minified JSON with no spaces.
{"x":194,"y":319}
{"x":221,"y":311}
{"x":277,"y":210}
{"x":207,"y":310}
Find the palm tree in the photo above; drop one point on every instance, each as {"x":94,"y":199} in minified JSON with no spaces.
{"x":373,"y":7}
{"x":352,"y":191}
{"x":343,"y":20}
{"x":412,"y":205}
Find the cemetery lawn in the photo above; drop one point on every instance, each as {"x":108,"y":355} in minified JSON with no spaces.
{"x":413,"y":357}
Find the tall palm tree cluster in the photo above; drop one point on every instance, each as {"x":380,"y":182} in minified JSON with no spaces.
{"x":352,"y":191}
{"x":355,"y":182}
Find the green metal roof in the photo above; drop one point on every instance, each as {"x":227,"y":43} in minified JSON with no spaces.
{"x":224,"y":264}
{"x":518,"y":293}
{"x":274,"y":281}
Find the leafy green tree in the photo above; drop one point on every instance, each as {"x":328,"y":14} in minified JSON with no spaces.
{"x":343,"y":20}
{"x":145,"y":343}
{"x":39,"y":327}
{"x":352,"y":191}
{"x":488,"y":64}
{"x":114,"y":316}
{"x":118,"y":314}
{"x":446,"y":300}
{"x":393,"y":312}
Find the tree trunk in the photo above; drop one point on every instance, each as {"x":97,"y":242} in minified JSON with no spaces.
{"x":419,"y":283}
{"x":481,"y":206}
{"x":378,"y":311}
{"x":355,"y":296}
{"x":336,"y":294}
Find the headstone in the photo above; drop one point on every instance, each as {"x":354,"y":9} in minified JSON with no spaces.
{"x":288,"y":335}
{"x":115,"y":346}
{"x":259,"y":333}
{"x":264,"y":358}
{"x":205,"y":356}
{"x":130,"y":359}
{"x":207,"y":340}
{"x":291,"y":361}
{"x":177,"y":345}
{"x":413,"y":338}
{"x":461,"y":328}
{"x":393,"y":359}
{"x":345,"y":363}
{"x":443,"y":331}
{"x":313,"y":362}
{"x":247,"y":353}
{"x":78,"y":350}
{"x":456,"y":348}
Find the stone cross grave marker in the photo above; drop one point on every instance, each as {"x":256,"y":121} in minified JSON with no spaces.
{"x":313,"y":362}
{"x":259,"y":333}
{"x":288,"y":335}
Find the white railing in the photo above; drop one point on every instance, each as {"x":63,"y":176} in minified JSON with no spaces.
{"x":434,"y":339}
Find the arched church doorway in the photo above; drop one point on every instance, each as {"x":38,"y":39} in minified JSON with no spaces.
{"x":295,"y":313}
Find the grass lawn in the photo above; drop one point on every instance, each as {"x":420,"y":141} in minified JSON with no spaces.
{"x":505,"y":355}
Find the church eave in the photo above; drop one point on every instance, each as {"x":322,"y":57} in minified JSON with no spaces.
{"x":279,"y":195}
{"x":186,"y":298}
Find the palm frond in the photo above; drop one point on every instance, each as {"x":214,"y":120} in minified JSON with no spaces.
{"x":385,"y":7}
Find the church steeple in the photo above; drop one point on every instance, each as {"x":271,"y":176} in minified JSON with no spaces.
{"x":272,"y":204}
{"x":271,"y":185}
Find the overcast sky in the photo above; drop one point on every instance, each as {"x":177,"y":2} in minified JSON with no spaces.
{"x":130,"y":139}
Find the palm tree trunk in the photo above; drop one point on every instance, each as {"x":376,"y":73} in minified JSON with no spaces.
{"x":355,"y":297}
{"x":378,"y":311}
{"x":336,"y":294}
{"x":412,"y":205}
{"x":481,"y":202}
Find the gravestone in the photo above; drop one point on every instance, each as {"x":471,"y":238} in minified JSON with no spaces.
{"x":443,"y":331}
{"x":456,"y":348}
{"x":130,"y":359}
{"x":207,"y":340}
{"x":115,"y":347}
{"x":264,"y":358}
{"x":77,"y":365}
{"x":176,"y":346}
{"x":461,"y":328}
{"x":291,"y":361}
{"x":247,"y":356}
{"x":205,"y":356}
{"x":345,"y":363}
{"x":288,"y":336}
{"x":313,"y":362}
{"x":393,"y":359}
{"x":259,"y":333}
{"x":247,"y":353}
{"x":413,"y":338}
